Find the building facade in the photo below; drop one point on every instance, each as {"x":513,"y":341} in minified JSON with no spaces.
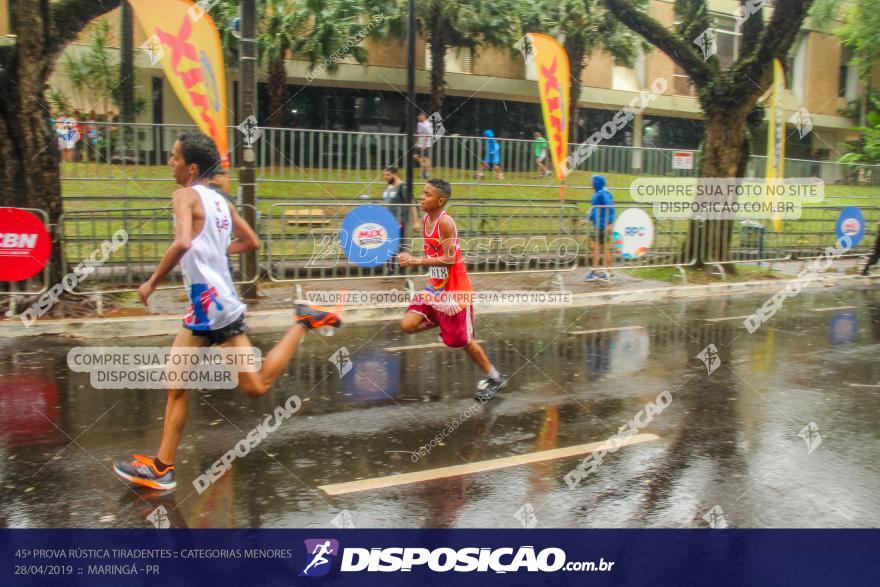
{"x":493,"y":88}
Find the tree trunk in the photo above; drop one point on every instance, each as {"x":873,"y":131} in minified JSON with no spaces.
{"x":725,"y":145}
{"x":438,"y":66}
{"x":29,"y":160}
{"x":576,"y":62}
{"x":29,"y":163}
{"x":277,"y":78}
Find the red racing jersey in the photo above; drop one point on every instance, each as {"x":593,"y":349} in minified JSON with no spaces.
{"x":447,"y":279}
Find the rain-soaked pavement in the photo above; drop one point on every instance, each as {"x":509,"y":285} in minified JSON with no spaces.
{"x":784,"y":433}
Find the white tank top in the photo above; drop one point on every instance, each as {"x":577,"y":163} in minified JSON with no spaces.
{"x":214,"y":301}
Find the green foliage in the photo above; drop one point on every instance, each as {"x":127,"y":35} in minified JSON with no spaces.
{"x":94,"y":74}
{"x":860,"y":31}
{"x":586,"y":24}
{"x":315,"y":30}
{"x":57,"y":100}
{"x":468,"y":25}
{"x":867,"y":148}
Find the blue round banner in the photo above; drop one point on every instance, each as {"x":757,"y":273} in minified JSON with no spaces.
{"x":843,"y":328}
{"x":851,"y":223}
{"x":370,"y":235}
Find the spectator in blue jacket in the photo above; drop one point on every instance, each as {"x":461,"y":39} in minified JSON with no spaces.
{"x":491,"y":155}
{"x":601,"y":220}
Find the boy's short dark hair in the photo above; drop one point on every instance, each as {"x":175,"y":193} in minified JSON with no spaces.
{"x":200,"y":149}
{"x":392,"y":169}
{"x":443,"y":186}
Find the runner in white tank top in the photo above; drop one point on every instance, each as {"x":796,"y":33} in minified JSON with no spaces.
{"x":214,"y":302}
{"x":204,"y":224}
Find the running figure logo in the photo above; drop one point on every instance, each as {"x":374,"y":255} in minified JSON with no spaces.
{"x":317,"y":552}
{"x":810,"y":434}
{"x":710,"y":358}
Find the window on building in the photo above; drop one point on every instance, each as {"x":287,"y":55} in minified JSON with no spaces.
{"x":624,"y":78}
{"x":727,"y":44}
{"x":156,"y":99}
{"x":847,"y":81}
{"x":727,"y":39}
{"x":664,"y":132}
{"x":681,"y":83}
{"x":457,"y":60}
{"x":796,"y":66}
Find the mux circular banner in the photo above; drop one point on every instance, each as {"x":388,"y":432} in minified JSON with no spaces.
{"x":633,"y":233}
{"x":25,"y":244}
{"x":851,"y":223}
{"x":370,"y":235}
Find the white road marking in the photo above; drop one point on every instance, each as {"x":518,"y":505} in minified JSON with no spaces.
{"x":478,"y":467}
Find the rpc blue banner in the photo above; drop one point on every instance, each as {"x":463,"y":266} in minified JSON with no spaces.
{"x":715,"y":557}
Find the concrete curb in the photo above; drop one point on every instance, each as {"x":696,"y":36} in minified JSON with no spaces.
{"x":279,"y":320}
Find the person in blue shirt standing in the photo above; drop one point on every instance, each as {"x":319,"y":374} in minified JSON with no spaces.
{"x":491,"y":155}
{"x":601,"y":219}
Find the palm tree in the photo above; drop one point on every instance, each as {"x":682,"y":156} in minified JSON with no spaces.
{"x":320,"y":31}
{"x":57,"y":100}
{"x":583,"y":27}
{"x":452,"y":24}
{"x":95,"y":74}
{"x":278,"y":29}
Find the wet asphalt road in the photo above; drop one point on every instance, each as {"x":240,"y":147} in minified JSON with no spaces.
{"x":728,"y":442}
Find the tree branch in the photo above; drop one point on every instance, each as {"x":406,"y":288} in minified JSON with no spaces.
{"x":752,"y":27}
{"x":680,"y":51}
{"x":753,"y":68}
{"x":69,"y":17}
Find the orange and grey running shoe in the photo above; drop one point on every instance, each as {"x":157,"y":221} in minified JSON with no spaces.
{"x":141,"y":471}
{"x":315,"y":317}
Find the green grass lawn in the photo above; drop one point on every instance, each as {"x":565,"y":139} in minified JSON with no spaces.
{"x":152,"y":185}
{"x":744,"y":272}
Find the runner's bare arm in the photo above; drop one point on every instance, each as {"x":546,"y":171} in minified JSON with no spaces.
{"x":447,"y":241}
{"x":245,"y":237}
{"x":416,"y":225}
{"x":182,"y":202}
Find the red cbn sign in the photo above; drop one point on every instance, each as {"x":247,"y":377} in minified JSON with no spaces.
{"x":24,"y":244}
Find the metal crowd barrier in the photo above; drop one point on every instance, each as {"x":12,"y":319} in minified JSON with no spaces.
{"x":805,"y":238}
{"x":150,"y":230}
{"x":300,"y":241}
{"x":669,"y":248}
{"x":815,"y":230}
{"x":140,"y":151}
{"x":302,"y":238}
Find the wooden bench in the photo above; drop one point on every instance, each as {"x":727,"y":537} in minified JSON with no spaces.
{"x":306,"y":217}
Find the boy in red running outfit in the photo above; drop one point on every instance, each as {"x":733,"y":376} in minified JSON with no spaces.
{"x":446,"y":300}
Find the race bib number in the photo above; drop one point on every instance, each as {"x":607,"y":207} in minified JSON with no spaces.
{"x":438,"y":272}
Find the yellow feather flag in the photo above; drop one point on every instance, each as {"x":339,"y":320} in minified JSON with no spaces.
{"x":184,"y":39}
{"x":554,"y":87}
{"x":776,"y":134}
